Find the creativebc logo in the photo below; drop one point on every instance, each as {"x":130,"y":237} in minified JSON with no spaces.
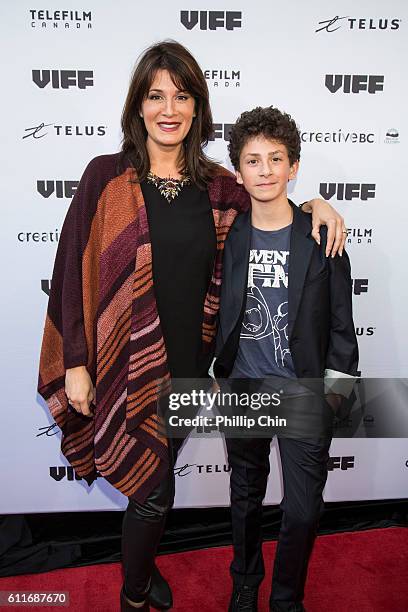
{"x":339,"y":137}
{"x":42,"y":237}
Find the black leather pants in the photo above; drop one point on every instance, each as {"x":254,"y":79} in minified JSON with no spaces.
{"x":143,"y":526}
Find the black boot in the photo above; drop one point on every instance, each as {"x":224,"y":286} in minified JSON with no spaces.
{"x":126,"y":605}
{"x":244,"y":599}
{"x":159,"y":595}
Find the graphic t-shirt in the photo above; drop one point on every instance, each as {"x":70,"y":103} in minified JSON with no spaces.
{"x":264,"y":342}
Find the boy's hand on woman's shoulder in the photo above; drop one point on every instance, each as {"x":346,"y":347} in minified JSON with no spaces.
{"x":324,"y":214}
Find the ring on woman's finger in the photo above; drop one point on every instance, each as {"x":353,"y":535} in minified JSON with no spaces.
{"x":345,"y":231}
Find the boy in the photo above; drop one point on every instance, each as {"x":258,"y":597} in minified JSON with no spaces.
{"x":285,"y":312}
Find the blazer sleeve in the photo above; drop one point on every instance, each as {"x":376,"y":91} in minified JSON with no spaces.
{"x":342,"y":353}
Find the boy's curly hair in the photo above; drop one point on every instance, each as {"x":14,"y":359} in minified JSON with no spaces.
{"x":268,"y":122}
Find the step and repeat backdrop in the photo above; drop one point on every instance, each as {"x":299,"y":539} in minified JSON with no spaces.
{"x":336,"y":68}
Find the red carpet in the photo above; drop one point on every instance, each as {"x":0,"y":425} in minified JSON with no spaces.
{"x":364,"y":571}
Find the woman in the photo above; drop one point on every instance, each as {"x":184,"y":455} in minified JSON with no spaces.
{"x":135,"y":295}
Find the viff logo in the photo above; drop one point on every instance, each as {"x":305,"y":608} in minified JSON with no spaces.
{"x":63,"y":79}
{"x":61,"y":189}
{"x":347,"y":191}
{"x":211,"y":20}
{"x":59,"y":472}
{"x":354,"y":83}
{"x":341,"y":463}
{"x":46,"y":286}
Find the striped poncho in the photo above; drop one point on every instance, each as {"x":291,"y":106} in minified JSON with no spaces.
{"x":102,"y":313}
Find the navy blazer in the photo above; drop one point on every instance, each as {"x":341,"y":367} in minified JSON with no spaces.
{"x":320,"y":322}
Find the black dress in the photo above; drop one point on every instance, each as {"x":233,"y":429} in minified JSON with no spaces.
{"x":184,"y":245}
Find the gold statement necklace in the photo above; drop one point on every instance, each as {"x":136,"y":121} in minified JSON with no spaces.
{"x":168,"y":187}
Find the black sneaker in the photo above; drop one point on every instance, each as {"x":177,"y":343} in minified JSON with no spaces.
{"x":244,"y":599}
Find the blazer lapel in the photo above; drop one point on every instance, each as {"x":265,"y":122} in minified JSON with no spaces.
{"x":301,"y":248}
{"x":239,"y":246}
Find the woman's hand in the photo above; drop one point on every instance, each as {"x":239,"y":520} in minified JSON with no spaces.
{"x":79,"y":389}
{"x":324,"y":214}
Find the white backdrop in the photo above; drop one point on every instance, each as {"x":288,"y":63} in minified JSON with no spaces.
{"x":65,"y":78}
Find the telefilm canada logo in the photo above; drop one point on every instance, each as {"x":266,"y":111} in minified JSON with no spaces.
{"x":359,"y":235}
{"x":49,"y":19}
{"x":357,"y":24}
{"x":223,"y":78}
{"x":347,"y":191}
{"x":57,"y":188}
{"x":40,"y":130}
{"x":211,"y":20}
{"x":63,"y":79}
{"x":354,"y":83}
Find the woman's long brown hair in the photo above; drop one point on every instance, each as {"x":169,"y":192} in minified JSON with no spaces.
{"x":187,"y":76}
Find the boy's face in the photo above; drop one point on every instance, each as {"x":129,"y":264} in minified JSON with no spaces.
{"x":264,"y":169}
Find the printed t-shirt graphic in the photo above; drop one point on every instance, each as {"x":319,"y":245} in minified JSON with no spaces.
{"x":264,"y":342}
